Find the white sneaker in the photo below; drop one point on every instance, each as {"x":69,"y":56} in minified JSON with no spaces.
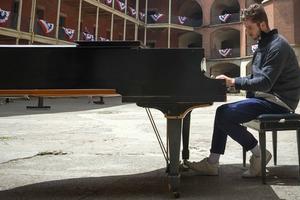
{"x":255,"y":166}
{"x":204,"y":168}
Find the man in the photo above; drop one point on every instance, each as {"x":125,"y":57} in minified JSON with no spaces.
{"x":273,"y":87}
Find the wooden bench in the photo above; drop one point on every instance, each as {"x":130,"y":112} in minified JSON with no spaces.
{"x":273,"y":123}
{"x":41,"y":93}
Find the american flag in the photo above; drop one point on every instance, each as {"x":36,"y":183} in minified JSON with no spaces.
{"x":4,"y":16}
{"x":46,"y":26}
{"x":225,"y":52}
{"x":103,"y":39}
{"x":156,"y":17}
{"x":88,"y":36}
{"x":254,"y":47}
{"x":182,"y":19}
{"x":132,"y":11}
{"x":69,"y":32}
{"x":108,"y":2}
{"x":142,"y":15}
{"x":121,"y":5}
{"x":224,"y":17}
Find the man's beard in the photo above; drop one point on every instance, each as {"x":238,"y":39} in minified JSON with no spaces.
{"x":258,"y":34}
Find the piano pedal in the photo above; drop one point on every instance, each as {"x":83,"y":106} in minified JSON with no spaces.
{"x":183,"y":167}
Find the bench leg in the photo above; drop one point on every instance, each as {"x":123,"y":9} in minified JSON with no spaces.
{"x":262,"y":142}
{"x":244,"y":157}
{"x":274,"y":137}
{"x":298,"y":143}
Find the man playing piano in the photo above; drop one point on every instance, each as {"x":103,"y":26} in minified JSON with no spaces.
{"x":272,"y":88}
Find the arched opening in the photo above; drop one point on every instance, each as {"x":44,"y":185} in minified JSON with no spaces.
{"x":184,"y":39}
{"x":187,"y":13}
{"x":68,"y":23}
{"x":157,"y":12}
{"x":225,"y":11}
{"x":45,"y":18}
{"x":228,"y":69}
{"x":225,"y":43}
{"x":249,"y":68}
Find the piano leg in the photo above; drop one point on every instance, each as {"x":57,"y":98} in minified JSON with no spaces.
{"x":174,"y":129}
{"x":185,"y":138}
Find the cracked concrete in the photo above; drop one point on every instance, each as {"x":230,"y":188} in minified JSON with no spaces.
{"x":79,"y":150}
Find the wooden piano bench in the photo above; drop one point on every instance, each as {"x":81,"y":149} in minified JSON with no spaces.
{"x":273,"y":123}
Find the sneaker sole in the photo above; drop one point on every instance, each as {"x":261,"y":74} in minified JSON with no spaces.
{"x":268,"y":159}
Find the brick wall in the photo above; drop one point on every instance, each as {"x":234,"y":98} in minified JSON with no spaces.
{"x":26,"y":12}
{"x":7,"y":5}
{"x":297,"y":21}
{"x":284,"y":20}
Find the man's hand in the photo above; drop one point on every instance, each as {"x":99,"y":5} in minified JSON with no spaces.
{"x":229,"y":81}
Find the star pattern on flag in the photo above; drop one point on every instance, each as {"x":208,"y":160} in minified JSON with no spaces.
{"x":69,"y":32}
{"x":142,"y":15}
{"x":121,"y":5}
{"x":132,"y":11}
{"x":88,"y":36}
{"x":225,"y":52}
{"x":224,"y":17}
{"x":157,"y":16}
{"x":4,"y":15}
{"x":103,"y":39}
{"x":108,"y":2}
{"x":46,"y":26}
{"x":254,"y":47}
{"x":182,"y":19}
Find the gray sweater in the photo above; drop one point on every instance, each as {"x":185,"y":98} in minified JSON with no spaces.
{"x":275,"y":70}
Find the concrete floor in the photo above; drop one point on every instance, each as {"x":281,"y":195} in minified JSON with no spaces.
{"x":80,"y":150}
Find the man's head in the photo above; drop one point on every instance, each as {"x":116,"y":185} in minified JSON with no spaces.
{"x":255,"y":20}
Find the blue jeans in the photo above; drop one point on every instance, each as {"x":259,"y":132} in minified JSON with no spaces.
{"x":229,"y":117}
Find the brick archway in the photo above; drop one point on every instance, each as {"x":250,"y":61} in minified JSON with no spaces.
{"x":222,"y":7}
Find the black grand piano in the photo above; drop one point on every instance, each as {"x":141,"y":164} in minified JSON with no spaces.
{"x":170,"y":80}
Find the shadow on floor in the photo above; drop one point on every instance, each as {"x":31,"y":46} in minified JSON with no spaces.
{"x":71,"y":104}
{"x":153,"y":185}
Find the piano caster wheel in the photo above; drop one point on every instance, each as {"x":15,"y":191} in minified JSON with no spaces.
{"x":174,"y":182}
{"x":183,"y":167}
{"x":176,"y":195}
{"x":174,"y":192}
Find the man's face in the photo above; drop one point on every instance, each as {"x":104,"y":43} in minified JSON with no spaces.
{"x":252,"y":29}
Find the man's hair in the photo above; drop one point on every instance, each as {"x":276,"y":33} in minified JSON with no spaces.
{"x":256,"y":13}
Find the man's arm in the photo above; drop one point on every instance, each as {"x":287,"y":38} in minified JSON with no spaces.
{"x":265,"y":78}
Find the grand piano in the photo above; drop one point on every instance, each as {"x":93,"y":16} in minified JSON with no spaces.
{"x":170,"y":80}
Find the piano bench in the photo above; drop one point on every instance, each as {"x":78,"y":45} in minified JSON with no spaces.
{"x":273,"y":123}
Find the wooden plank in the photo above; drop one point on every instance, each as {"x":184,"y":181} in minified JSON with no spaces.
{"x":59,"y":92}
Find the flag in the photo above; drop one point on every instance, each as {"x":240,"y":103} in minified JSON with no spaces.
{"x":4,"y":16}
{"x":224,"y":17}
{"x":103,"y":39}
{"x":132,"y":11}
{"x":182,"y":19}
{"x":46,"y":26}
{"x":254,"y":47}
{"x":69,"y":32}
{"x":225,"y":52}
{"x":108,"y":2}
{"x":142,"y":15}
{"x":121,"y":5}
{"x":88,"y":36}
{"x":156,"y":17}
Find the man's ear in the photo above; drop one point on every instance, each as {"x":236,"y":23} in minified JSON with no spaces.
{"x":263,"y":26}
